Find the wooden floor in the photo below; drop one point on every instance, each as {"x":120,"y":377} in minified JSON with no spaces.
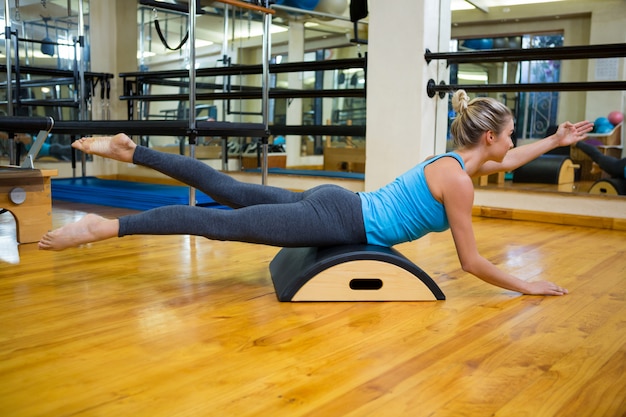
{"x":183,"y":326}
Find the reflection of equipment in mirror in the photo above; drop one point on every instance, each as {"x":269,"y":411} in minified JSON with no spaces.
{"x":484,"y":62}
{"x":547,"y":169}
{"x":609,"y":186}
{"x":25,"y":191}
{"x":608,"y":144}
{"x":47,"y":45}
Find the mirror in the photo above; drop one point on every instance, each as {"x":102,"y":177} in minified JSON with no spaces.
{"x":538,"y":114}
{"x":45,"y":56}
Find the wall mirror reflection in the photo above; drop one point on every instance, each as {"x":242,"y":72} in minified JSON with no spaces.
{"x":537,"y":115}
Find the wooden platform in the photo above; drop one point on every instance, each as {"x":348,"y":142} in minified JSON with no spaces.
{"x":26,"y":194}
{"x":182,"y":326}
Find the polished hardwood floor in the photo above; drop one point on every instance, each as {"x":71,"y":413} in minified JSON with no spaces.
{"x":184,"y":326}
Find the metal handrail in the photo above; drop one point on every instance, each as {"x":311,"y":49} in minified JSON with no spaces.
{"x":531,"y":54}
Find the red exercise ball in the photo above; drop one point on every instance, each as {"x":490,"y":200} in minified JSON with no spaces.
{"x":616,"y":117}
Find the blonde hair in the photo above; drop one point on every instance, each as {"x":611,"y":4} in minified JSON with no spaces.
{"x":474,"y":117}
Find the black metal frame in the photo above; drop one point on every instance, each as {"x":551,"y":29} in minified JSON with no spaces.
{"x":134,"y":82}
{"x":505,"y":55}
{"x":610,"y":50}
{"x":64,"y":77}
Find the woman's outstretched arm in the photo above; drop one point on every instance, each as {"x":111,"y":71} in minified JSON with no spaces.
{"x":566,"y":135}
{"x":458,"y":203}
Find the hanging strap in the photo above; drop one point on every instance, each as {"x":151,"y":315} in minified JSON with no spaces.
{"x":180,"y":45}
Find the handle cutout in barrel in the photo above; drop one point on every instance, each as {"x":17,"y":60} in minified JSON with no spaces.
{"x":366,"y":284}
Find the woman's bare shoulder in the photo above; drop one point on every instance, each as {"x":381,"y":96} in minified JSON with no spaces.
{"x":445,"y":176}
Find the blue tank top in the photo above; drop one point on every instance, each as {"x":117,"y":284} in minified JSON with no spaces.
{"x":405,"y":209}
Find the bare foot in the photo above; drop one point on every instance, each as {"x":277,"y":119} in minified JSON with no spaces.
{"x":595,"y":168}
{"x":90,"y":228}
{"x":119,"y":147}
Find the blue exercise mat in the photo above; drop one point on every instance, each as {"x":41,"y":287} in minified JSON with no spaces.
{"x":126,"y":194}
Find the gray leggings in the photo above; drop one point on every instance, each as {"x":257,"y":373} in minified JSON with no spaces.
{"x":322,"y":216}
{"x":615,"y":167}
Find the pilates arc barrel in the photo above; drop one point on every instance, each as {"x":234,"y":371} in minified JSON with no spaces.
{"x":547,"y":169}
{"x":609,"y":186}
{"x":350,"y":273}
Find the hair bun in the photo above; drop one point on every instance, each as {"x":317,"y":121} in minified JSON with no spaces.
{"x":460,"y":101}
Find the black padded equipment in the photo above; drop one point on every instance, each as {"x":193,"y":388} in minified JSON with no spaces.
{"x":294,"y":268}
{"x":609,"y":186}
{"x":358,"y":10}
{"x":543,"y":170}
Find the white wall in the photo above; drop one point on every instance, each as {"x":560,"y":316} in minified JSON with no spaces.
{"x":401,"y":118}
{"x":608,"y":25}
{"x":113,"y":35}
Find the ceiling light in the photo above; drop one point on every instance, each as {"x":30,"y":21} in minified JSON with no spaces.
{"x":456,"y":5}
{"x":468,"y":76}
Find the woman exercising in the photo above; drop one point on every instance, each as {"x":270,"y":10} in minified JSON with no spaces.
{"x":615,"y":167}
{"x":433,"y":196}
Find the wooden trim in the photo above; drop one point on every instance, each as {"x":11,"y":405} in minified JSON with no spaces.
{"x":554,"y":218}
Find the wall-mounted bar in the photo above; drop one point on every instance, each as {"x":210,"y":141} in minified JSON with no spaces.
{"x":255,"y":69}
{"x":433,"y":88}
{"x":249,"y":95}
{"x":530,"y":54}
